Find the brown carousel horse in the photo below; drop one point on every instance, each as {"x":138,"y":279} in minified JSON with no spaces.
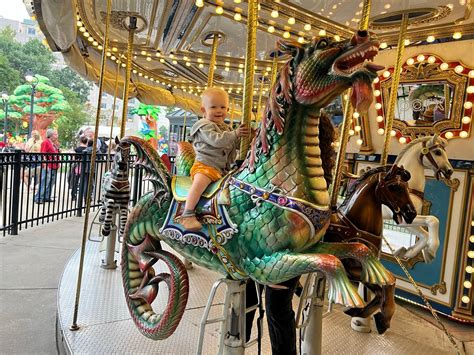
{"x":359,"y":219}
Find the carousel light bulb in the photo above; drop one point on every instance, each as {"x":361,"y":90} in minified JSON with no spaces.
{"x":175,"y":62}
{"x":431,"y":59}
{"x":86,"y":34}
{"x":307,"y":27}
{"x":274,"y":13}
{"x":148,"y":59}
{"x":465,"y":299}
{"x":380,"y":131}
{"x":378,"y":106}
{"x":271,"y":29}
{"x":237,"y":1}
{"x":171,"y":55}
{"x":286,"y":34}
{"x":351,"y":132}
{"x":466,"y":119}
{"x":82,"y":29}
{"x":237,"y":16}
{"x":357,"y":128}
{"x":99,"y":47}
{"x":162,"y":60}
{"x":402,"y":140}
{"x":467,"y":284}
{"x":188,"y":64}
{"x":79,"y":24}
{"x":471,"y":74}
{"x":240,"y":70}
{"x":444,"y":66}
{"x":420,"y":58}
{"x":379,"y":119}
{"x":386,"y":74}
{"x":459,"y":69}
{"x":140,"y":74}
{"x":337,"y":38}
{"x":449,"y":135}
{"x":134,"y":71}
{"x":470,"y":254}
{"x":383,"y":45}
{"x":359,"y":141}
{"x":322,"y":33}
{"x":113,"y":57}
{"x":468,"y":105}
{"x":199,"y":3}
{"x":470,"y":89}
{"x":95,"y":43}
{"x":463,"y":134}
{"x":469,"y":269}
{"x":410,"y":61}
{"x":407,"y":42}
{"x":356,"y":114}
{"x":291,"y":20}
{"x":376,"y":92}
{"x":219,"y":10}
{"x":300,"y":39}
{"x":430,"y":39}
{"x":90,"y":39}
{"x":457,"y":35}
{"x":376,"y":80}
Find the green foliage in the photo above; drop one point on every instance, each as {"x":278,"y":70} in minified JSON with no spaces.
{"x":66,"y":78}
{"x":9,"y":77}
{"x":146,"y":110}
{"x":71,"y":120}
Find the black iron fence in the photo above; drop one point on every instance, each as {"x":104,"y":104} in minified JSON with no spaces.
{"x":37,"y":188}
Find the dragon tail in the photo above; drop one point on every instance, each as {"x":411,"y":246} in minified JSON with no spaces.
{"x":184,"y":158}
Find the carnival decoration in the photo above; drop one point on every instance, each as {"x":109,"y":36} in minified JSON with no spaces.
{"x":149,"y":115}
{"x":420,"y":154}
{"x":265,"y":220}
{"x":49,"y":104}
{"x":359,"y":219}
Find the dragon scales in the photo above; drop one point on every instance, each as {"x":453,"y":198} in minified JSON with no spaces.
{"x":279,"y":201}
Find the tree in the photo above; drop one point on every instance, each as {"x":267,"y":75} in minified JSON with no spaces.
{"x":148,"y":113}
{"x":10,"y":78}
{"x":70,"y":121}
{"x":67,"y":78}
{"x":49,"y":103}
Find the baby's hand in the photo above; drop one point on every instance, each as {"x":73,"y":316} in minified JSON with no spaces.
{"x":243,"y":131}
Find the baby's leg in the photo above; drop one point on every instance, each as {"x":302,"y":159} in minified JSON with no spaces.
{"x":200,"y":183}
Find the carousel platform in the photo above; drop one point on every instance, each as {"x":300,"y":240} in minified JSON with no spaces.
{"x":106,"y":326}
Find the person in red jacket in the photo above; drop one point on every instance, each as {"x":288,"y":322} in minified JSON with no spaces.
{"x":48,"y":175}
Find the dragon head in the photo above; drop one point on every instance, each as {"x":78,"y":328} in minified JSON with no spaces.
{"x":323,"y":69}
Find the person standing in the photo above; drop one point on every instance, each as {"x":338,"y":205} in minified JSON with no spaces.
{"x":33,"y":169}
{"x":76,"y":167}
{"x":50,"y":168}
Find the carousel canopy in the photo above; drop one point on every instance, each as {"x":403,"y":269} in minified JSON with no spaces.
{"x":173,"y":39}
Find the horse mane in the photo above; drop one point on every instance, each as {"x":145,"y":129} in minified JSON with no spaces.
{"x":416,"y":141}
{"x":361,"y":179}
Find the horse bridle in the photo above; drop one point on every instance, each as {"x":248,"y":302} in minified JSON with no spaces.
{"x":382,"y":190}
{"x":426,"y":152}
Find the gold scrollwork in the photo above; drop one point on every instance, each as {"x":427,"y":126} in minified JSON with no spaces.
{"x":441,"y":287}
{"x":452,"y":183}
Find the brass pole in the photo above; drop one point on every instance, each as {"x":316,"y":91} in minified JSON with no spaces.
{"x":113,"y":115}
{"x":250,"y":54}
{"x":259,"y":104}
{"x":346,"y":124}
{"x":232,"y":113}
{"x":212,"y":64}
{"x":274,"y":68}
{"x":85,"y":228}
{"x":394,"y":89}
{"x":128,"y":69}
{"x":184,"y":126}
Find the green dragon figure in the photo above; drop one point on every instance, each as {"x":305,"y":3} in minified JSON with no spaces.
{"x":265,"y":220}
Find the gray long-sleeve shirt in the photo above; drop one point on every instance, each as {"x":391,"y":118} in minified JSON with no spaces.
{"x":215,"y":144}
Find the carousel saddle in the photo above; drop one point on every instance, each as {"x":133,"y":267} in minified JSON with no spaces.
{"x":180,"y":186}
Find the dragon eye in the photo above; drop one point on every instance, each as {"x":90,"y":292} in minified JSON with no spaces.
{"x":322,"y":44}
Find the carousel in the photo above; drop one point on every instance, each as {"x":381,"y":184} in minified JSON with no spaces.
{"x":358,"y":176}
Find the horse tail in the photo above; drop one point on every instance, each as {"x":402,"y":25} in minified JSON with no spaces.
{"x":184,"y":158}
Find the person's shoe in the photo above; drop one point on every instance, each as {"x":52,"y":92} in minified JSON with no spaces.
{"x":39,"y":202}
{"x":49,"y":200}
{"x":190,"y":223}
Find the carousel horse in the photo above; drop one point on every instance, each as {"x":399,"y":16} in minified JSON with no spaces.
{"x":420,"y":154}
{"x":359,"y":219}
{"x":265,"y":220}
{"x":115,"y":191}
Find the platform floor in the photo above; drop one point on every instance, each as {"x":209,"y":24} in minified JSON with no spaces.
{"x":106,"y":326}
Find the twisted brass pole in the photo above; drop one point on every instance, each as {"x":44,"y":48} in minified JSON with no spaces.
{"x":128,"y":69}
{"x":259,"y":102}
{"x":232,"y":113}
{"x":184,"y":126}
{"x":394,"y":89}
{"x":250,"y":54}
{"x":113,"y":116}
{"x":274,"y":68}
{"x":85,"y":228}
{"x":344,"y":135}
{"x":212,"y":63}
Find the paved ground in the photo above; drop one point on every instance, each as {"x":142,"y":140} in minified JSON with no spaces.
{"x":31,"y":265}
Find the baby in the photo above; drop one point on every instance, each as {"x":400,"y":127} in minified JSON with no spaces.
{"x":215,"y":146}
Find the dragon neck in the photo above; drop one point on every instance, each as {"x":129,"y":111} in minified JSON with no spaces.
{"x":291,"y":160}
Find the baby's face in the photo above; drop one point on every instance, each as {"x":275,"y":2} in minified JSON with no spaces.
{"x":215,"y":107}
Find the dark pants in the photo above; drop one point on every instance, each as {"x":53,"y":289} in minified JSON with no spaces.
{"x":280,"y":315}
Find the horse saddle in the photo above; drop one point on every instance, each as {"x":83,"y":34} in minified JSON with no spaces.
{"x":211,"y":211}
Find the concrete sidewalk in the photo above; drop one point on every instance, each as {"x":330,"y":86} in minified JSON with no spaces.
{"x":31,"y":265}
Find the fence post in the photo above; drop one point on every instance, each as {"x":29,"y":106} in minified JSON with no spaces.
{"x":82,"y":184}
{"x":16,"y":191}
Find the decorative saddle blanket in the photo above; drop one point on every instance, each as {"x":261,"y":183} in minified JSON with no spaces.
{"x":211,"y":211}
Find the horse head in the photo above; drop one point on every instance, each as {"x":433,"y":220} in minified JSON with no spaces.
{"x":392,"y":190}
{"x":122,"y":155}
{"x":433,"y":155}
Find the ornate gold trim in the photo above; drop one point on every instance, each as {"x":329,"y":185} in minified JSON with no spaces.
{"x":441,"y":287}
{"x":433,"y":15}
